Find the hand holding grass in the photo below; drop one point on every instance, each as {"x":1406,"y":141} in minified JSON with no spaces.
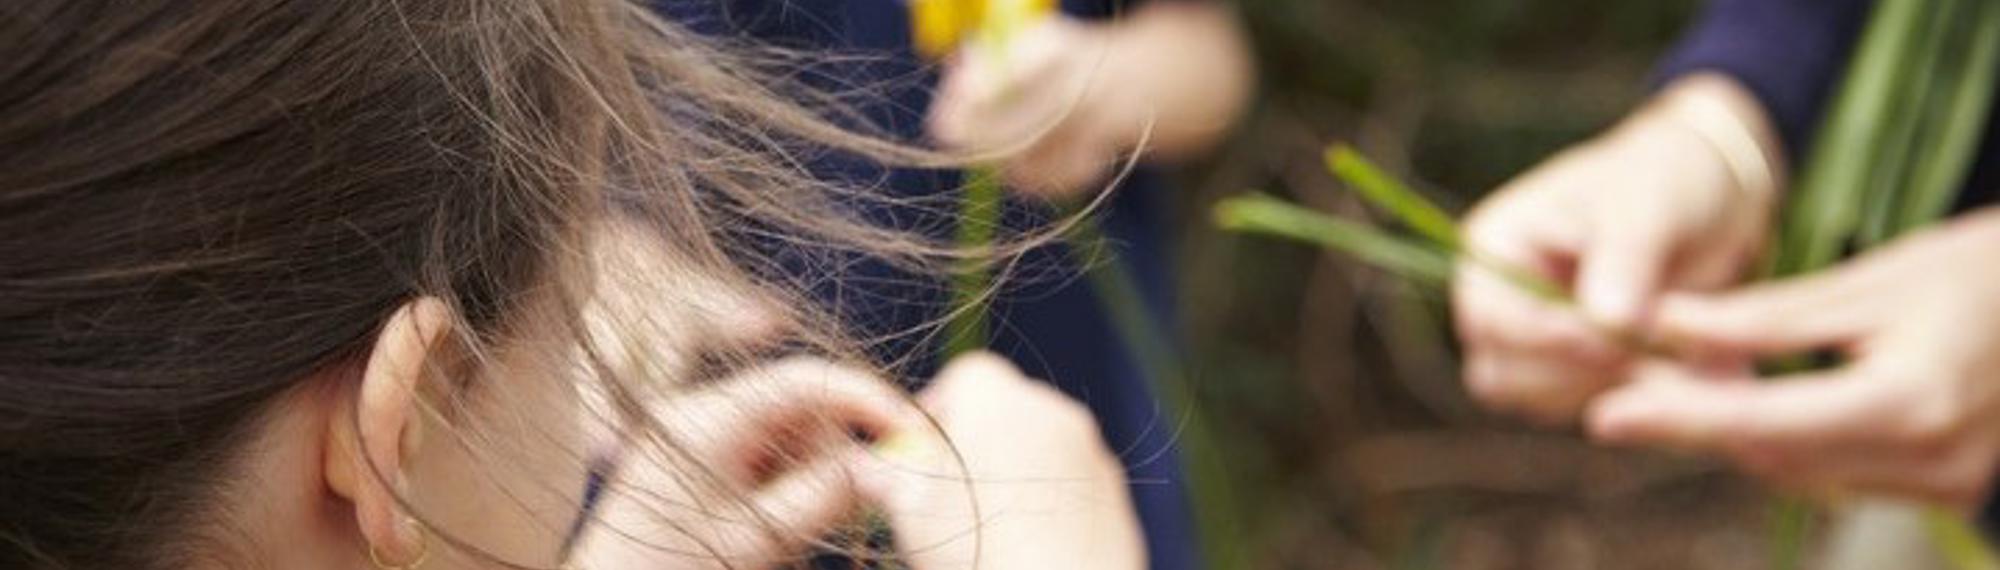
{"x":1914,"y":410}
{"x":1649,"y":207}
{"x":1065,"y":98}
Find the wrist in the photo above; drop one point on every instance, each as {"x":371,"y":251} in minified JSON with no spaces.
{"x":1731,"y":127}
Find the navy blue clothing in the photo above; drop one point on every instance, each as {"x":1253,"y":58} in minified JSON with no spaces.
{"x":1792,"y":55}
{"x":1047,"y":319}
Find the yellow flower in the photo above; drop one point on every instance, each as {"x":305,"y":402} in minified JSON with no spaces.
{"x":939,"y":26}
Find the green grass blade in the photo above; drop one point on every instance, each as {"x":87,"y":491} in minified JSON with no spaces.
{"x":1936,"y":182}
{"x":1791,"y":523}
{"x":978,"y":223}
{"x":1383,"y":191}
{"x":1909,"y":130}
{"x":1934,"y":186}
{"x":1826,"y":204}
{"x":1263,"y":214}
{"x":1961,"y":544}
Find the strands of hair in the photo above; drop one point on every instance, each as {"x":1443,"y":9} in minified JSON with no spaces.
{"x":213,"y":204}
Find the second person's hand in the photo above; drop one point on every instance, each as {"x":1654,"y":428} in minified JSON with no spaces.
{"x":1067,"y":98}
{"x":1914,"y":413}
{"x":1020,"y":479}
{"x":1651,"y":206}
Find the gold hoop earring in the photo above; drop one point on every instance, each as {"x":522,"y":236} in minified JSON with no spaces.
{"x":423,"y":551}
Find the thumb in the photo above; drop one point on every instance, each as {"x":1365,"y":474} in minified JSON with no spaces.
{"x":1620,"y":272}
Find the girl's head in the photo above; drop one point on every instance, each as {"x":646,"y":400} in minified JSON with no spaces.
{"x":279,"y":276}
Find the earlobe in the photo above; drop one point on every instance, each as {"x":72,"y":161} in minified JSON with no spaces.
{"x":370,"y":438}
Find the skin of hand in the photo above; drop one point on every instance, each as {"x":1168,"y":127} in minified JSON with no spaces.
{"x":760,"y":468}
{"x":1066,"y":99}
{"x":757,"y":466}
{"x":1912,"y":412}
{"x":1648,"y":207}
{"x":1020,"y":479}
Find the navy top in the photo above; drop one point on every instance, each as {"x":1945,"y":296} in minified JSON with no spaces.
{"x":1046,"y":317}
{"x":1792,"y":55}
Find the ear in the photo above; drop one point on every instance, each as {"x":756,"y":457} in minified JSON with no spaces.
{"x":371,"y":436}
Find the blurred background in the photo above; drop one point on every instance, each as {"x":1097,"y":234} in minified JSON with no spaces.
{"x":1347,"y":439}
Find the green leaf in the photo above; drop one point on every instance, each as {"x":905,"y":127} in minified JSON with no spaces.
{"x":1963,"y":547}
{"x":1825,"y":208}
{"x":978,"y":222}
{"x":1263,"y":214}
{"x":1383,"y":191}
{"x":1909,"y":131}
{"x":1937,"y":180}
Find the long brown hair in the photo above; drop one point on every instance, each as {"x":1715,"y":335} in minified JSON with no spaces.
{"x":204,"y":204}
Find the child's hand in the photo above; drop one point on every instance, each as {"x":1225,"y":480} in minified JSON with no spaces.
{"x":1649,"y":207}
{"x":1041,"y":100}
{"x":1066,"y":99}
{"x":1914,"y":413}
{"x":746,"y":472}
{"x":1037,"y":487}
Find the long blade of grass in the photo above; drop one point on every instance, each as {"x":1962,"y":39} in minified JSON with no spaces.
{"x":1408,"y":206}
{"x":1264,"y":214}
{"x":1826,"y":204}
{"x":978,"y":223}
{"x":1937,"y":180}
{"x":1427,"y":263}
{"x":1907,"y":134}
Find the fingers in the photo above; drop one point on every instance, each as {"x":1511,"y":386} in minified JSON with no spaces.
{"x":1670,"y":405}
{"x":975,"y":366}
{"x":1024,"y":480}
{"x":1038,"y":102}
{"x":741,"y":425}
{"x":990,"y":100}
{"x":1622,"y":270}
{"x":1823,"y":310}
{"x":1549,"y":391}
{"x":803,"y":503}
{"x":1526,"y":355}
{"x":1851,"y":431}
{"x":1494,"y":312}
{"x":754,"y":466}
{"x":1065,"y":163}
{"x":653,"y":520}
